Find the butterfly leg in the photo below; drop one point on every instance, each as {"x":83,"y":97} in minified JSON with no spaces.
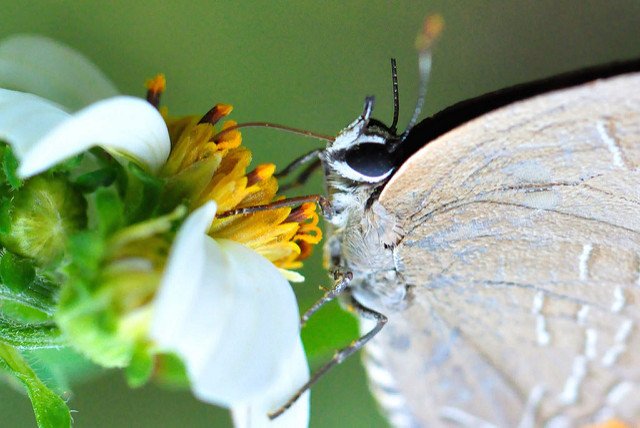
{"x":323,"y":203}
{"x":340,"y":355}
{"x":311,"y":157}
{"x":341,"y":283}
{"x":298,"y":162}
{"x":302,"y":178}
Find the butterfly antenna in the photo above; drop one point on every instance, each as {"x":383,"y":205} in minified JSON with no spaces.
{"x":396,"y":97}
{"x":289,"y":129}
{"x":432,"y":28}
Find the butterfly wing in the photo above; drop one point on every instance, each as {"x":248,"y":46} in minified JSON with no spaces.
{"x":522,"y":251}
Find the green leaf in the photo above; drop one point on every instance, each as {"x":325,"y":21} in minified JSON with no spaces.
{"x":50,"y":410}
{"x":21,"y":313}
{"x":14,"y":304}
{"x":29,"y":336}
{"x":23,"y":284}
{"x":16,"y":272}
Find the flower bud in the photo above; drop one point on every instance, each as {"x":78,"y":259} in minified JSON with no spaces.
{"x":42,"y":215}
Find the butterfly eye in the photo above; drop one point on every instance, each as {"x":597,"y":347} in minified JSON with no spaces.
{"x":370,"y":160}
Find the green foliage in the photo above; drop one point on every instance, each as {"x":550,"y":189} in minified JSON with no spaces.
{"x":63,"y":234}
{"x":17,"y":273}
{"x":110,"y":216}
{"x":43,"y":213}
{"x":9,"y":167}
{"x":93,"y":180}
{"x":61,"y":367}
{"x":83,"y":313}
{"x":142,"y":198}
{"x":50,"y":410}
{"x":29,"y":336}
{"x":171,"y":372}
{"x":25,"y":285}
{"x":140,"y":369}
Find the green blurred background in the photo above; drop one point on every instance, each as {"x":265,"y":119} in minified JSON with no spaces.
{"x":306,"y":64}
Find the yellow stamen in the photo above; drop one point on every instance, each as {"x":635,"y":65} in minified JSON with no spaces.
{"x":157,"y":84}
{"x":216,"y":113}
{"x":285,"y":236}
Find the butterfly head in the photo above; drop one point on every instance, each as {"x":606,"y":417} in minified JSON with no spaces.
{"x":360,"y":155}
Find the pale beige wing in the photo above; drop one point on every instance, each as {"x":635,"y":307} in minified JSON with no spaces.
{"x":522,"y":243}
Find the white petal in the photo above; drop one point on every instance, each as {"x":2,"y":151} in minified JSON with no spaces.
{"x":122,"y":125}
{"x":294,"y":373}
{"x":43,"y":67}
{"x":26,"y":118}
{"x":227,"y":312}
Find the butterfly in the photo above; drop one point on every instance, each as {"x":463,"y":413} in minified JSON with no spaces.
{"x":492,"y":252}
{"x":504,"y":252}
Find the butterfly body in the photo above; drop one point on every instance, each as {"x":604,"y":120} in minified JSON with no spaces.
{"x":506,"y":255}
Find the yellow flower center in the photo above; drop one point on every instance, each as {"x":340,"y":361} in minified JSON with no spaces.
{"x":212,"y":165}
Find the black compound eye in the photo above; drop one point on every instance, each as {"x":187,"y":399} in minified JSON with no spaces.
{"x":369,"y":159}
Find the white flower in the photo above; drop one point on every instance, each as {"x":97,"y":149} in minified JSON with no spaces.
{"x":233,"y":319}
{"x":53,"y":71}
{"x":224,"y":309}
{"x":42,"y":134}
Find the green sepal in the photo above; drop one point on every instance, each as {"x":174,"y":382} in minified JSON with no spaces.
{"x":171,"y":372}
{"x":10,"y":168}
{"x":90,"y":325}
{"x":68,"y":166}
{"x":5,"y":215}
{"x":44,"y":212}
{"x":86,"y":249}
{"x":29,"y":336}
{"x":50,"y":410}
{"x":85,"y":310}
{"x":140,"y":369}
{"x":91,"y":181}
{"x":143,"y":194}
{"x":110,"y":211}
